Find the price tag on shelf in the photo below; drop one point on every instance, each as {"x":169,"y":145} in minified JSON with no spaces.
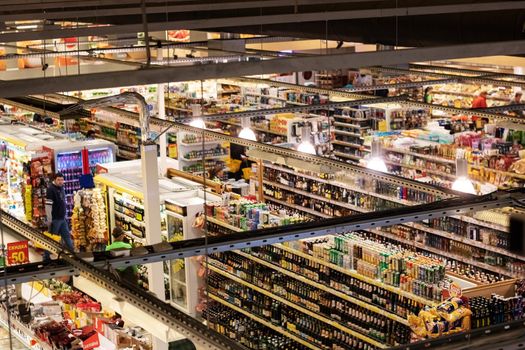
{"x":17,"y":253}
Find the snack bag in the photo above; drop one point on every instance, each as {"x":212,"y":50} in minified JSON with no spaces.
{"x":417,"y":325}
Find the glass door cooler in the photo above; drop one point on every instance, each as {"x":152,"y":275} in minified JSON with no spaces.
{"x":68,"y":161}
{"x":182,"y":274}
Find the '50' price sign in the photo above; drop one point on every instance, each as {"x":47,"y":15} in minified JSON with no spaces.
{"x":17,"y":253}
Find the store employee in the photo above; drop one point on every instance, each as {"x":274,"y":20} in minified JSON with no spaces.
{"x":129,"y":273}
{"x":56,"y":210}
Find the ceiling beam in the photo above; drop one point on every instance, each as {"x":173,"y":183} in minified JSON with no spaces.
{"x":115,"y":9}
{"x":224,"y":22}
{"x":225,"y":70}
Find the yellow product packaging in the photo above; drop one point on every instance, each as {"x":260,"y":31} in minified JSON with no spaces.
{"x":466,"y":322}
{"x":428,"y":315}
{"x":456,"y":314}
{"x":417,"y":325}
{"x":436,"y":328}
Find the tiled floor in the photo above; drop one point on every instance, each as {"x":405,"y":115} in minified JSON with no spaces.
{"x":4,"y":341}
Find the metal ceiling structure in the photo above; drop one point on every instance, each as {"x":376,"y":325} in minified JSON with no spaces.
{"x":153,"y":75}
{"x":331,"y":19}
{"x":389,"y":22}
{"x":126,"y":17}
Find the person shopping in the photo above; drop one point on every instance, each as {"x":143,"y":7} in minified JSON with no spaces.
{"x":56,"y":210}
{"x":128,"y":273}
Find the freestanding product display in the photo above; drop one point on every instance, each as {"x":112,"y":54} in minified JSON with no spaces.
{"x":25,"y":167}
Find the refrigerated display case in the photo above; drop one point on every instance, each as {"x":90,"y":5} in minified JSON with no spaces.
{"x":183,"y":278}
{"x":68,"y":160}
{"x":125,"y":205}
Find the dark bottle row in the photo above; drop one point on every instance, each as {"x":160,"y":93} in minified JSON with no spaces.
{"x":246,"y":331}
{"x":474,"y":232}
{"x":339,"y":281}
{"x":294,"y":322}
{"x":349,"y":314}
{"x":495,"y":310}
{"x":341,"y":194}
{"x":320,"y":206}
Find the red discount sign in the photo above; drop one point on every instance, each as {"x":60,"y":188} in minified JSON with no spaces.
{"x":17,"y":253}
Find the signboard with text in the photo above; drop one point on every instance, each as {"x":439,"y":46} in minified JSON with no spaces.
{"x":17,"y":253}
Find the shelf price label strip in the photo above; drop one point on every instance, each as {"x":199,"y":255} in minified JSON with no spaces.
{"x":297,"y":307}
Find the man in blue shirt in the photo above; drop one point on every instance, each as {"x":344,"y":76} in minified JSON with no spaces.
{"x":56,"y":210}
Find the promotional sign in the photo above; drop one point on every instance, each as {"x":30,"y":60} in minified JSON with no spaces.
{"x":452,"y":290}
{"x":17,"y":253}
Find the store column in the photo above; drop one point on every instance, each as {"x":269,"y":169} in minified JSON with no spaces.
{"x":150,"y":184}
{"x":162,"y":115}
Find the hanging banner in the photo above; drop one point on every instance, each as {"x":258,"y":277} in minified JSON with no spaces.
{"x":17,"y":253}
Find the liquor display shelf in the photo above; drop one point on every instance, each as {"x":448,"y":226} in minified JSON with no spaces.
{"x":427,"y":248}
{"x":478,"y":222}
{"x":255,"y":128}
{"x":339,"y":184}
{"x":298,"y":207}
{"x":424,"y":228}
{"x":262,"y":321}
{"x":223,"y":224}
{"x":465,"y":240}
{"x":430,"y":171}
{"x":358,"y":276}
{"x":438,"y":159}
{"x":314,"y":196}
{"x":233,"y":277}
{"x":21,"y":331}
{"x":345,"y":155}
{"x":324,"y":288}
{"x":479,"y":264}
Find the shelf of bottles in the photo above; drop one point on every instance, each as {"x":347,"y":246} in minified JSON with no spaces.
{"x":70,"y":165}
{"x":358,"y":288}
{"x":328,"y":195}
{"x":129,"y":216}
{"x":351,"y":125}
{"x":125,"y":136}
{"x":235,"y":276}
{"x":192,"y":148}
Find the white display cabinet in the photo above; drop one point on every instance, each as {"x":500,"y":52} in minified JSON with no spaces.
{"x":184,"y":282}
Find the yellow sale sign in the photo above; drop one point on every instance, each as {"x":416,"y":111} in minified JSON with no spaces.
{"x":17,"y":253}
